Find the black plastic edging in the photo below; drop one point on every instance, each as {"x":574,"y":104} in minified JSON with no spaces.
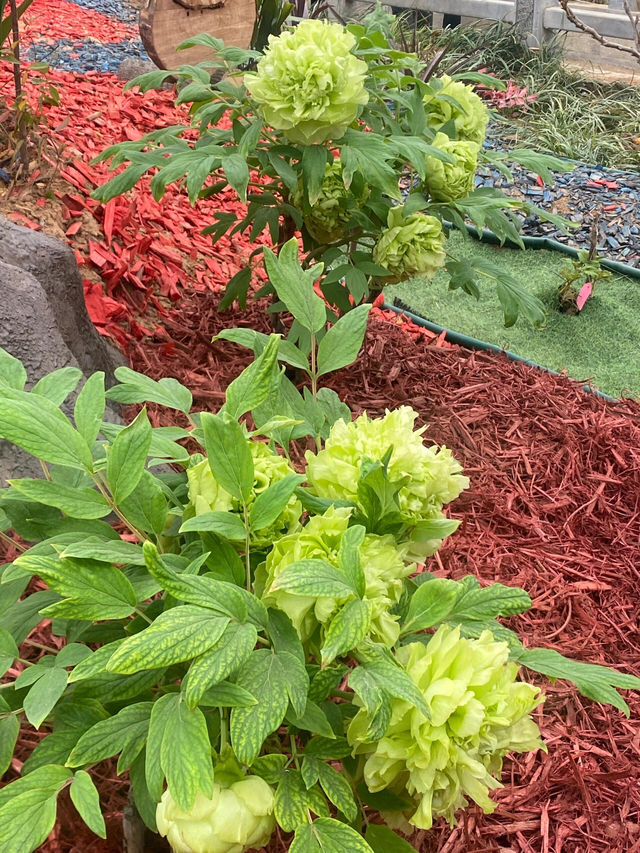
{"x":473,"y":343}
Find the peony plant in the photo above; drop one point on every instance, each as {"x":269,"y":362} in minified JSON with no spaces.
{"x":318,"y":682}
{"x":333,"y":134}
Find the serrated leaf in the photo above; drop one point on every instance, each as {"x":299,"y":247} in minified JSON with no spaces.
{"x":182,"y":633}
{"x":74,"y":502}
{"x":127,"y":456}
{"x":221,"y":661}
{"x":84,"y":797}
{"x":341,"y":345}
{"x":229,"y":455}
{"x":346,"y":630}
{"x":186,"y":755}
{"x":263,"y":675}
{"x":126,"y":730}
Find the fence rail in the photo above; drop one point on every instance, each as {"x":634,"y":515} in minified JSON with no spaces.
{"x":537,"y":19}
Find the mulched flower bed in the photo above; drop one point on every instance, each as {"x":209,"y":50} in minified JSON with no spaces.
{"x":554,"y":504}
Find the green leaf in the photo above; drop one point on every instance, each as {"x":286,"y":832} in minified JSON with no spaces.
{"x":271,"y":502}
{"x":12,"y":370}
{"x":57,"y":386}
{"x":146,"y":507}
{"x":341,"y":345}
{"x":90,"y":590}
{"x":227,"y":695}
{"x":250,"y":338}
{"x":74,"y":502}
{"x":347,"y":629}
{"x":9,"y":731}
{"x":8,"y":651}
{"x":431,"y":603}
{"x":270,"y":767}
{"x":393,"y":679}
{"x":264,"y":676}
{"x":105,"y":551}
{"x":542,"y":164}
{"x":137,"y":388}
{"x":229,"y":455}
{"x":315,"y":578}
{"x":186,"y":755}
{"x":314,"y":164}
{"x":253,"y":386}
{"x":203,"y":591}
{"x":375,"y":699}
{"x":381,"y":839}
{"x":294,"y":285}
{"x":226,"y":524}
{"x":127,"y":456}
{"x":594,"y":681}
{"x":222,"y":660}
{"x":293,"y":801}
{"x":40,"y":700}
{"x":334,"y":785}
{"x":38,"y":426}
{"x":145,"y":804}
{"x":84,"y":797}
{"x":326,"y":835}
{"x":236,"y":172}
{"x":28,"y":809}
{"x":478,"y":603}
{"x":349,"y":555}
{"x":127,"y":730}
{"x":161,"y":713}
{"x":177,"y":635}
{"x":312,"y":720}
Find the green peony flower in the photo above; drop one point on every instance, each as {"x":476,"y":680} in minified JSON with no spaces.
{"x":308,"y":83}
{"x":479,"y":713}
{"x":433,"y":475}
{"x":236,"y":818}
{"x":469,"y":114}
{"x":410,"y":246}
{"x":451,"y":181}
{"x":334,"y":207}
{"x":383,"y":566}
{"x":207,"y":495}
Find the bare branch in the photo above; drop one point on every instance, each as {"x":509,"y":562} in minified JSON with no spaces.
{"x":634,"y":50}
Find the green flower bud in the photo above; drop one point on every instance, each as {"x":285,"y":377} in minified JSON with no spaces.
{"x":478,"y":714}
{"x":382,"y":564}
{"x":334,"y":207}
{"x":410,"y":246}
{"x":432,"y":475}
{"x":236,"y":818}
{"x":451,"y":181}
{"x":308,"y":83}
{"x":207,"y":495}
{"x":469,"y":113}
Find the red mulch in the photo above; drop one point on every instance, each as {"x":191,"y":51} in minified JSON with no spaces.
{"x":554,"y":504}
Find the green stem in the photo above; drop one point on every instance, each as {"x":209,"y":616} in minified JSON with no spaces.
{"x":143,"y":615}
{"x":314,"y":368}
{"x":223,"y":729}
{"x":45,"y":470}
{"x":294,"y":751}
{"x":12,"y":542}
{"x":247,"y":548}
{"x":37,"y":645}
{"x":105,"y":494}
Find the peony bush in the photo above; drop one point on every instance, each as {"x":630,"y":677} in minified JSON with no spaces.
{"x":239,"y":611}
{"x":337,"y":136}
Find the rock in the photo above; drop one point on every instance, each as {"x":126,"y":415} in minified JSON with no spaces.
{"x":44,"y":322}
{"x":52,"y":263}
{"x":131,"y":67}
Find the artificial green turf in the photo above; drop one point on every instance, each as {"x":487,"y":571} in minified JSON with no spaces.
{"x":601,"y":344}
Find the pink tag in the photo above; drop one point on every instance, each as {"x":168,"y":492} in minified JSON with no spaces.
{"x":585,"y":292}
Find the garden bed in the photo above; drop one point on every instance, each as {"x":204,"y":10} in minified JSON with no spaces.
{"x":599,"y":345}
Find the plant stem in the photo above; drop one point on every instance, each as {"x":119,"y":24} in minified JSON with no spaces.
{"x":105,"y":494}
{"x":247,"y":548}
{"x":45,"y":470}
{"x":144,"y":616}
{"x":314,"y":369}
{"x":12,"y":542}
{"x":41,"y":646}
{"x":223,"y":729}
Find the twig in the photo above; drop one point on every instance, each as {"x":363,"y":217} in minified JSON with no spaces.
{"x":634,"y":50}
